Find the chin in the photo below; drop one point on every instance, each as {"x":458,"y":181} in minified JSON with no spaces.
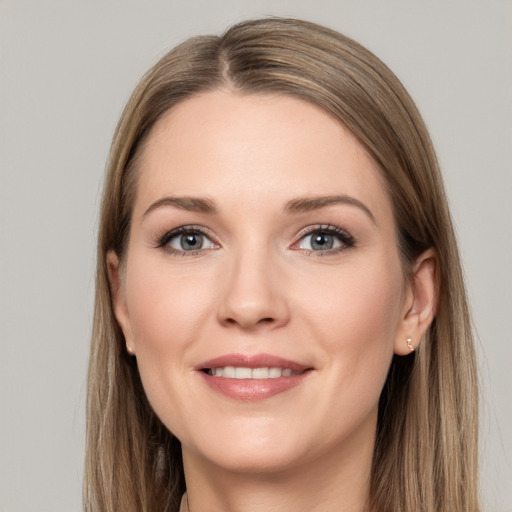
{"x":250,"y":450}
{"x":250,"y":460}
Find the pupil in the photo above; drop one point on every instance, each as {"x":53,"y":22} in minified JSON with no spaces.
{"x":322,"y":241}
{"x":191,"y":241}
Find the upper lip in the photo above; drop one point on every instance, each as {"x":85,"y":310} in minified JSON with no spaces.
{"x":252,"y":361}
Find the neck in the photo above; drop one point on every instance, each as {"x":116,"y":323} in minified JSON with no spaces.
{"x":335,"y":481}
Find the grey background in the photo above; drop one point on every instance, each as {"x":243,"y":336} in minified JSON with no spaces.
{"x":66,"y":70}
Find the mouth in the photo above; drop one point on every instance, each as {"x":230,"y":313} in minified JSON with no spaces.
{"x":252,"y":377}
{"x":244,"y":372}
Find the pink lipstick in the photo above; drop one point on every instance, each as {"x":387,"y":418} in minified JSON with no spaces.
{"x":252,"y":377}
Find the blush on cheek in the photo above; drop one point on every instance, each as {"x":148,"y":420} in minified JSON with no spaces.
{"x":164,"y":305}
{"x":362,"y":323}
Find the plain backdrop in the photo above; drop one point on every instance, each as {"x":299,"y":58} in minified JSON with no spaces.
{"x":67,"y":68}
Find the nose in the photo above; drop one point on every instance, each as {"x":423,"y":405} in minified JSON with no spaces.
{"x":254,"y":292}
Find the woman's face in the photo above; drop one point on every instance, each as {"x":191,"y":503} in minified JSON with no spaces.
{"x":262,"y":292}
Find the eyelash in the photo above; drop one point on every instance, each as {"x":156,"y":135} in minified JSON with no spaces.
{"x":164,"y":240}
{"x":346,"y":240}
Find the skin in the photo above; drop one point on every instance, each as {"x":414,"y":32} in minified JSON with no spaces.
{"x":257,"y":286}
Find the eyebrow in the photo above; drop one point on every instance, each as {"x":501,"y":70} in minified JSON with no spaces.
{"x":299,"y":205}
{"x":307,"y":204}
{"x":190,"y":204}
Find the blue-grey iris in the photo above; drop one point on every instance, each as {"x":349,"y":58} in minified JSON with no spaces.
{"x":322,"y":241}
{"x":191,"y":241}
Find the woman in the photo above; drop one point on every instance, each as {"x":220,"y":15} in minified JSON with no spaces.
{"x":281,"y":321}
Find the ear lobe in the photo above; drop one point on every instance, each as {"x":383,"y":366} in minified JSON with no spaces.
{"x":119,"y":300}
{"x":420,"y":305}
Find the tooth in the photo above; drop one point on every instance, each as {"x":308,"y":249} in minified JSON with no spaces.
{"x":260,"y":373}
{"x":273,"y":373}
{"x":242,"y":373}
{"x":229,"y":372}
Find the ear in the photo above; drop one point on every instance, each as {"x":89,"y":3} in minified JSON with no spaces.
{"x":420,"y":304}
{"x":119,"y":299}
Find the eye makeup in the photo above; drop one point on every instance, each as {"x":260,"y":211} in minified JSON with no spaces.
{"x":315,"y":240}
{"x":188,"y":240}
{"x":325,"y":239}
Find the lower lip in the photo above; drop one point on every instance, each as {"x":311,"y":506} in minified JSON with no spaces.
{"x":253,"y":389}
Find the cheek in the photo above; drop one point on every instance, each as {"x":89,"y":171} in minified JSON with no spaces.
{"x":359,"y":301}
{"x":356,"y":322}
{"x":167,"y":312}
{"x":166,"y":307}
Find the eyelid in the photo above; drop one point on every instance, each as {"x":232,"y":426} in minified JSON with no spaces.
{"x":163,"y":240}
{"x":346,"y":239}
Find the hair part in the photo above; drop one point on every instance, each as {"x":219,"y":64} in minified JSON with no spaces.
{"x":425,"y":455}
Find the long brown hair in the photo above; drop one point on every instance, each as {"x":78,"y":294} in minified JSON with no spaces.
{"x":425,"y":456}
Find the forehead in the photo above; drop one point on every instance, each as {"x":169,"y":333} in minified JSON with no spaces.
{"x":255,"y":149}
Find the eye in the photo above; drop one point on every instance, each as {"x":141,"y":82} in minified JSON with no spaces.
{"x":186,"y":239}
{"x":325,"y":239}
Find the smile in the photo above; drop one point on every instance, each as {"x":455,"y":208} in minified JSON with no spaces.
{"x":242,"y":372}
{"x":252,"y":377}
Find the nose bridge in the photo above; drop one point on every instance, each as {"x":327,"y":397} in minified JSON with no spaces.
{"x":252,"y":292}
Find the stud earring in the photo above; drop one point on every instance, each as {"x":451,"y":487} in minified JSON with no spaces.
{"x":409,"y":343}
{"x":130,"y":350}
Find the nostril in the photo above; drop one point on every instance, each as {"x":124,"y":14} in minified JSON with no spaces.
{"x":262,"y":321}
